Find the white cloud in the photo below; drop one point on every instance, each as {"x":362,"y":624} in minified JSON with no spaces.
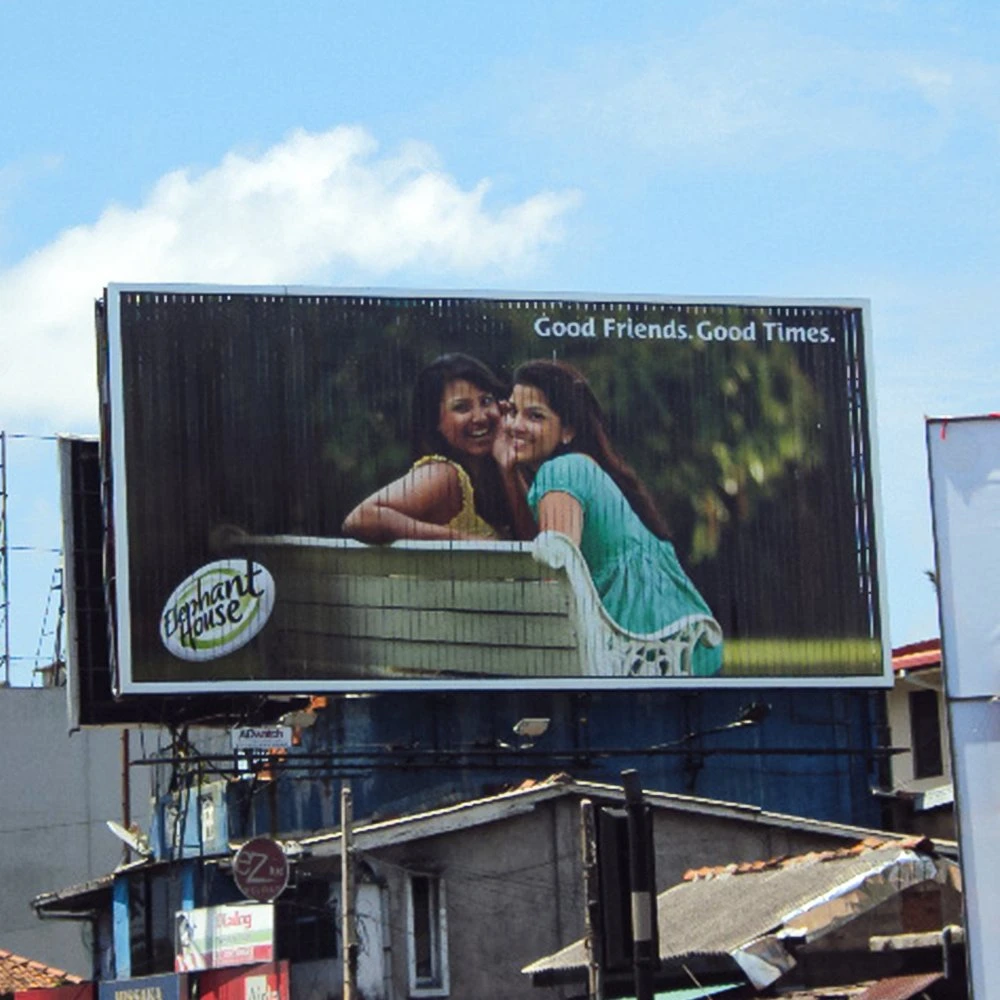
{"x":753,"y":86}
{"x":317,"y":208}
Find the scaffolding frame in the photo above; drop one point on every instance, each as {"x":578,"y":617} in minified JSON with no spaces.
{"x":4,"y":568}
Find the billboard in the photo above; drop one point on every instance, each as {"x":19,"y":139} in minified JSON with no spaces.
{"x":318,"y":490}
{"x":964,"y":469}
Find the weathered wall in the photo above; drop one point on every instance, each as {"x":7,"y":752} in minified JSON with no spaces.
{"x":57,"y":791}
{"x":513,"y":892}
{"x":814,"y":755}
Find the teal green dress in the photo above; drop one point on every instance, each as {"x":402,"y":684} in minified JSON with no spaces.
{"x":637,"y":575}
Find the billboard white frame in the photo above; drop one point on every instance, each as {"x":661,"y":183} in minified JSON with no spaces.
{"x":127,"y":684}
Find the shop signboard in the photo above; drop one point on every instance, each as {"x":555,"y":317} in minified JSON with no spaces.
{"x":168,"y":986}
{"x":211,"y":937}
{"x":306,"y":498}
{"x":75,"y":991}
{"x":257,"y":982}
{"x":261,"y":869}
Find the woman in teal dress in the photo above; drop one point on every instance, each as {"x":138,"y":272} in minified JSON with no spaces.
{"x":582,"y":488}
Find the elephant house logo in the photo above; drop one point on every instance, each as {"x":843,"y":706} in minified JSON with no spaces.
{"x":217,"y":609}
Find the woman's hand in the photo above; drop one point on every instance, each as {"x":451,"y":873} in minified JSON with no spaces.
{"x":503,"y":447}
{"x":514,"y":483}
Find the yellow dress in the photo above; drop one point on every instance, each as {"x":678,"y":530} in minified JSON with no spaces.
{"x":466,"y":520}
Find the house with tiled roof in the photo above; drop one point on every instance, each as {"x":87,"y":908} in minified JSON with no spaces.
{"x":18,"y":973}
{"x":921,"y":796}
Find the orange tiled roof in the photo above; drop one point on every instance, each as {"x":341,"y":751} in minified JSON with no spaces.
{"x":20,"y":973}
{"x":785,"y":861}
{"x":926,"y":653}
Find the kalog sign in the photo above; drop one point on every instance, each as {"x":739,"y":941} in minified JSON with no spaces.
{"x":328,"y":490}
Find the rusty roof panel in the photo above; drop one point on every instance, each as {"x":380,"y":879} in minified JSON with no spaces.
{"x":899,"y":987}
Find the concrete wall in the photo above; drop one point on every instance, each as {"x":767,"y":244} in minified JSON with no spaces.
{"x":513,"y":893}
{"x":56,"y":791}
{"x":898,"y":706}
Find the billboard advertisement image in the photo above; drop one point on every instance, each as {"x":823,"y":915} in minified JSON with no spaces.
{"x":319,"y":490}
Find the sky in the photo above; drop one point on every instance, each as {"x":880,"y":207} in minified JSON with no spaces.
{"x":834,"y":149}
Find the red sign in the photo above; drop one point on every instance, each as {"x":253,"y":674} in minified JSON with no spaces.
{"x":77,"y":991}
{"x":258,"y":982}
{"x":261,"y":869}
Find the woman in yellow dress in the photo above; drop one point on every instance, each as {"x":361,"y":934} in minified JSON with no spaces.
{"x":456,"y":488}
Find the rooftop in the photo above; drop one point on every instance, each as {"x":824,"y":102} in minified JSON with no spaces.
{"x":20,"y":973}
{"x":753,"y":916}
{"x":916,"y":656}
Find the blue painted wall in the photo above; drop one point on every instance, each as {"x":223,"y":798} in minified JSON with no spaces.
{"x":814,"y":755}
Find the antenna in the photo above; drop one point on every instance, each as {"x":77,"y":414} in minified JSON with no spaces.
{"x":53,"y":671}
{"x":134,"y":839}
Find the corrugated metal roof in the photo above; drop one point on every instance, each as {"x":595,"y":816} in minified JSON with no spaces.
{"x":727,"y":911}
{"x":20,"y":973}
{"x":724,"y":913}
{"x":474,"y":812}
{"x":899,"y":987}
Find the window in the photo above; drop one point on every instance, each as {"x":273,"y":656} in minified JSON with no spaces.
{"x":925,"y":734}
{"x":154,"y":899}
{"x":305,"y":917}
{"x":427,"y":935}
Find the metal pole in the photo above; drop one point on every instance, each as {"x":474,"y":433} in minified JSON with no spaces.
{"x":643,"y":886}
{"x":126,"y":792}
{"x":592,"y":897}
{"x":348,"y":921}
{"x":4,"y":561}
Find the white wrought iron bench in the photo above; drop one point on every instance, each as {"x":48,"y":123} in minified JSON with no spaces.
{"x":344,"y":610}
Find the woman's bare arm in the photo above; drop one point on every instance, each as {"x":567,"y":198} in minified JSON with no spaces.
{"x":561,"y":512}
{"x":416,"y":506}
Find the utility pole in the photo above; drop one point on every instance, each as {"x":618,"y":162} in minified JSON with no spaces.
{"x":645,"y":946}
{"x":592,"y":896}
{"x":347,"y":915}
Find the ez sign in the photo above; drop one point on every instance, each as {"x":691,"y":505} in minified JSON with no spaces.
{"x":261,"y":869}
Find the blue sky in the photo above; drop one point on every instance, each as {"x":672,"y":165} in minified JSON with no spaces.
{"x":766,"y":148}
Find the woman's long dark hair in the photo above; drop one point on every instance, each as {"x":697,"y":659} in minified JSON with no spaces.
{"x":427,"y":439}
{"x":569,"y":395}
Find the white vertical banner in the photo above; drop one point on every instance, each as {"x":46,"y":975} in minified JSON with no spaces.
{"x":964,"y":466}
